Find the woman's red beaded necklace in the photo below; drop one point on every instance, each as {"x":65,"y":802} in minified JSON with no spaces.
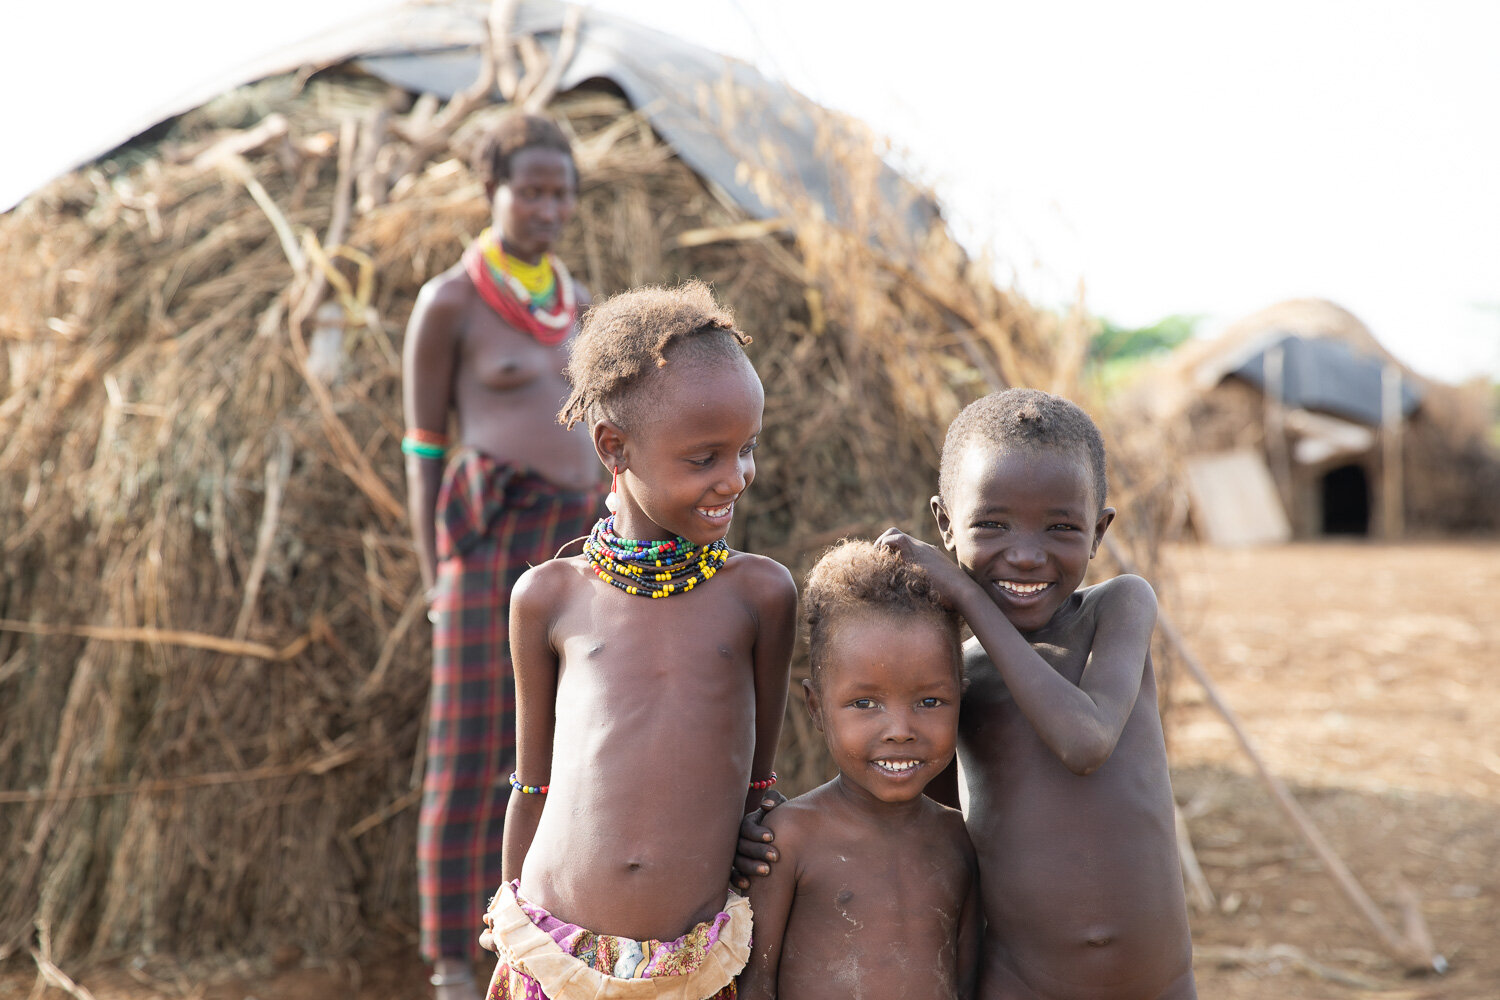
{"x":651,"y":569}
{"x":549,"y":320}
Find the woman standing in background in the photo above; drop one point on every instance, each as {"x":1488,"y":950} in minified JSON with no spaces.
{"x":486,"y":345}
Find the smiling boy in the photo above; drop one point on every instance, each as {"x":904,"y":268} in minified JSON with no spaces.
{"x":1060,"y":743}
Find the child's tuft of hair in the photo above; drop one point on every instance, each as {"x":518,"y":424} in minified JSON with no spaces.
{"x":626,"y":338}
{"x":514,"y":132}
{"x":860,"y":576}
{"x":1022,"y":418}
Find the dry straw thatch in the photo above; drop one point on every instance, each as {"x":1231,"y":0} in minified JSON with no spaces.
{"x":213,"y":663}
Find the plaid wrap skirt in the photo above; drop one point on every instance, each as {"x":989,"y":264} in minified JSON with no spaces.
{"x":493,"y":522}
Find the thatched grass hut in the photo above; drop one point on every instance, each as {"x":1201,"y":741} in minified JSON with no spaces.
{"x":213,"y":662}
{"x":1350,"y":440}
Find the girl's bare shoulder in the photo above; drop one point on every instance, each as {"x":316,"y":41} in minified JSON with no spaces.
{"x":552,"y":580}
{"x":762,"y":576}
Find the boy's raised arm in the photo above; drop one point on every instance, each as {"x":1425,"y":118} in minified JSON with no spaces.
{"x":1080,"y":724}
{"x":775,"y":598}
{"x":535,"y":664}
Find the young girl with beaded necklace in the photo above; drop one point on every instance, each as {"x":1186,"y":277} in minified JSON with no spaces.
{"x":651,"y":676}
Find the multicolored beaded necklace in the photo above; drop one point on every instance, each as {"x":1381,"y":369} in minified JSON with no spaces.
{"x":546,"y":310}
{"x":651,"y":569}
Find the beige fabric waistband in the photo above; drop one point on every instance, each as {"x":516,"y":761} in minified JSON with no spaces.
{"x":529,"y":949}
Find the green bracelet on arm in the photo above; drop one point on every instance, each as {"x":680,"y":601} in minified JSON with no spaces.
{"x":422,"y":449}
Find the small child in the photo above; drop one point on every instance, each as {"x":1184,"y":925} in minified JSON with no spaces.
{"x":1060,"y":745}
{"x":629,"y":707}
{"x":875,"y":894}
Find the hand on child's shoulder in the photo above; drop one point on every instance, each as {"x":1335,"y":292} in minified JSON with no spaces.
{"x":789,"y":821}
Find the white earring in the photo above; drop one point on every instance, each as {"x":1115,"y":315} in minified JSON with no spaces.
{"x":612,"y":501}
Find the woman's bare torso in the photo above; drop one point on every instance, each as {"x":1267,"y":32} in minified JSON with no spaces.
{"x":507,"y":389}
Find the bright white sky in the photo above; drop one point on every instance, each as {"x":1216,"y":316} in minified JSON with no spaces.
{"x":1176,"y":155}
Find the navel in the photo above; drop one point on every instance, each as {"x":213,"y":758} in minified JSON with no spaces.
{"x":1098,"y":938}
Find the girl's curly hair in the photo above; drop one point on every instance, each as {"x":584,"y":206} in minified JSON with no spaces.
{"x":627,"y":338}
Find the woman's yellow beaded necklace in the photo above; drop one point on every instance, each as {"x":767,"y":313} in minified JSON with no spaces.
{"x":539,"y":279}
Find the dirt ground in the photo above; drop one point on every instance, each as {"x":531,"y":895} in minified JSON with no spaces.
{"x":1360,"y":673}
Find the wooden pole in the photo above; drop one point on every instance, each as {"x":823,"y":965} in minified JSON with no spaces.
{"x":1274,"y":429}
{"x":1392,"y":485}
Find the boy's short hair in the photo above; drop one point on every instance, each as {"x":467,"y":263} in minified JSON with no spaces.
{"x":516,"y":131}
{"x":859,"y":576}
{"x":627,"y":338}
{"x":1023,"y":418}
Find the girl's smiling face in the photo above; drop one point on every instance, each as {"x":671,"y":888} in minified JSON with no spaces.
{"x":887,"y":701}
{"x":1024,"y":523}
{"x":689,"y":455}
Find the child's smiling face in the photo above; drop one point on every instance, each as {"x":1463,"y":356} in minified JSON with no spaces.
{"x":684,"y":465}
{"x":1024,"y":524}
{"x":886,"y":701}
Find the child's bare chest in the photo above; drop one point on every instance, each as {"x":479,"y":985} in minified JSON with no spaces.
{"x":899,"y":893}
{"x":699,"y":644}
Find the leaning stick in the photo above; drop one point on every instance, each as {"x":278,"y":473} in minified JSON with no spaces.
{"x":278,"y":468}
{"x":319,"y":766}
{"x":502,"y":19}
{"x":355,"y":463}
{"x":273,"y":126}
{"x":461,"y":105}
{"x":1413,"y":949}
{"x":164,"y":637}
{"x":1198,"y":888}
{"x":750,"y":229}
